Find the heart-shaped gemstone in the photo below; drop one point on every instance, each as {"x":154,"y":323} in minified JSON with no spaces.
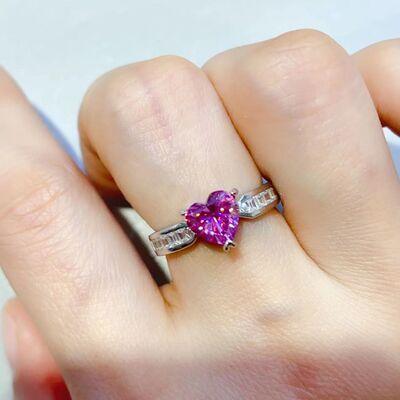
{"x":217,"y":221}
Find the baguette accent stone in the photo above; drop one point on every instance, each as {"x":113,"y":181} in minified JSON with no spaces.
{"x":252,"y":205}
{"x":172,"y":239}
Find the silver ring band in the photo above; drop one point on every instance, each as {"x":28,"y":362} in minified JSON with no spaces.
{"x":250,"y":205}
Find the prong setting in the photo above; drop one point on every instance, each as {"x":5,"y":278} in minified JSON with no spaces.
{"x":234,"y":192}
{"x":229,"y":244}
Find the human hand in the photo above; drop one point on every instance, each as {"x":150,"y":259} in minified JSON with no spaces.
{"x":306,"y":307}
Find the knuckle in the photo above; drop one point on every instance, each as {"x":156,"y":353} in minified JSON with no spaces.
{"x":387,"y":53}
{"x":142,"y":98}
{"x":140,"y":77}
{"x":41,"y":211}
{"x":9,"y":92}
{"x":35,"y":194}
{"x":301,"y":72}
{"x":152,"y":83}
{"x":293,"y":50}
{"x":307,"y":37}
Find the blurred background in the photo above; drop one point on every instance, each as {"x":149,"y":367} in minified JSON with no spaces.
{"x":55,"y":49}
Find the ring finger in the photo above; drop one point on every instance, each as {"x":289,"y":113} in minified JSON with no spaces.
{"x":160,"y":131}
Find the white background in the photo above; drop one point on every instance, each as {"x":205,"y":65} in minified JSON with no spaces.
{"x":55,"y":49}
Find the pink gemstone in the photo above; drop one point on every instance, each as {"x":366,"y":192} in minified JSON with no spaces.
{"x":217,"y":221}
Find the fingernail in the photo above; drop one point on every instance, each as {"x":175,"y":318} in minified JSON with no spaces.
{"x":10,"y":339}
{"x":59,"y":390}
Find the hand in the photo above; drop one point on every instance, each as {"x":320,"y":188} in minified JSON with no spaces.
{"x":306,"y":307}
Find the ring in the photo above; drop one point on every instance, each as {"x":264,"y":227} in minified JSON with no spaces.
{"x":215,"y":222}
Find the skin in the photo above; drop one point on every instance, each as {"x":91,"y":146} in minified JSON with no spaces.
{"x":306,"y":307}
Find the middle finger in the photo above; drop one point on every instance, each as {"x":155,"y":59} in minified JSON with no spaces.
{"x":303,"y":110}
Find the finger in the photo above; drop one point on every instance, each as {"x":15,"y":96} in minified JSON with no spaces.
{"x":380,"y":67}
{"x":161,"y":131}
{"x":36,"y":375}
{"x":62,"y":251}
{"x":304,"y":112}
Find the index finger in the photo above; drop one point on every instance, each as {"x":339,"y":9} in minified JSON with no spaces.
{"x":61,"y":249}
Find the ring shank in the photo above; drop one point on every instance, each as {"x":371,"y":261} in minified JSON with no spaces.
{"x":258,"y":201}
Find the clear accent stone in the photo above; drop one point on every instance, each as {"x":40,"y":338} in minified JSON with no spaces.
{"x":173,"y":240}
{"x":254,"y":205}
{"x":178,"y":238}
